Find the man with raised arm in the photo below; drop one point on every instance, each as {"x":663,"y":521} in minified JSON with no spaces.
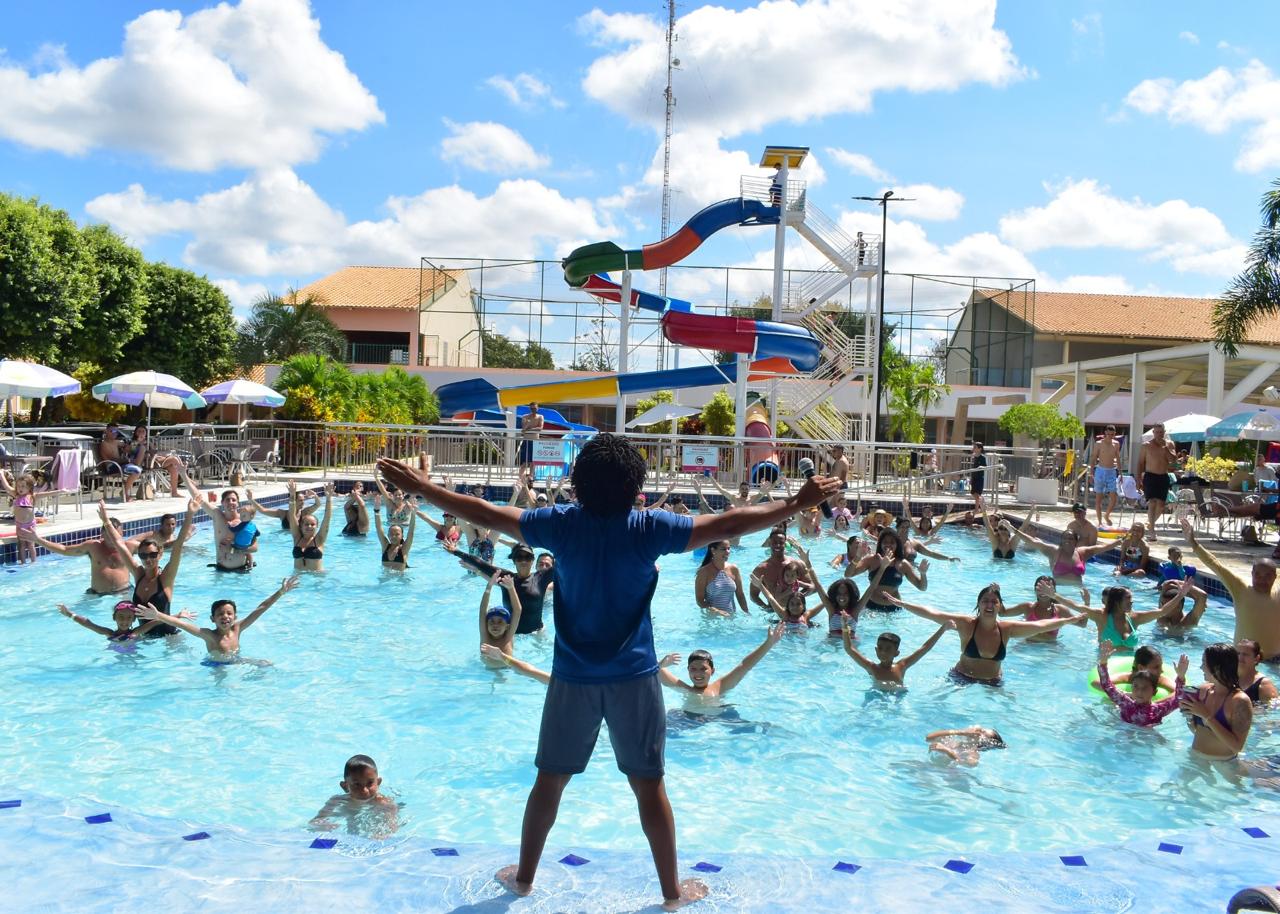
{"x":604,"y":666}
{"x":1256,"y":606}
{"x":108,"y":572}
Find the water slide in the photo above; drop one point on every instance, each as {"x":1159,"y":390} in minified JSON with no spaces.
{"x":776,"y":349}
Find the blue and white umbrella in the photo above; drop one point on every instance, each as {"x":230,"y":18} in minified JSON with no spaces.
{"x":1254,"y":425}
{"x":244,"y":393}
{"x":32,"y":381}
{"x":156,"y":390}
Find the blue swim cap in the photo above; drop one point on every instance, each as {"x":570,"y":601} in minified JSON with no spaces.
{"x":501,"y":612}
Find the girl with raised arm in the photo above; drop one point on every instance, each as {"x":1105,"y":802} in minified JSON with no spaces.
{"x":1068,"y":557}
{"x":1001,"y":535}
{"x":309,"y":535}
{"x":396,"y":543}
{"x":124,"y":616}
{"x":718,"y":583}
{"x":284,"y":514}
{"x":1048,"y":604}
{"x":498,"y":625}
{"x":891,"y":556}
{"x":1117,"y":622}
{"x":983,"y":636}
{"x":355,"y":513}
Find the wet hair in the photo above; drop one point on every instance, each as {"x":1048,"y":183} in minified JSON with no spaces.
{"x":706,"y":559}
{"x":793,"y":597}
{"x":1223,"y":661}
{"x":608,"y":474}
{"x":701,"y":655}
{"x":216,"y":603}
{"x":165,"y":517}
{"x":1113,"y":598}
{"x":227,"y":494}
{"x":889,"y":636}
{"x":1146,"y":655}
{"x":357,"y":763}
{"x":994,"y":741}
{"x":1048,"y":579}
{"x":1144,"y":676}
{"x":994,"y":588}
{"x":898,"y":553}
{"x":1254,"y":646}
{"x":843,"y":584}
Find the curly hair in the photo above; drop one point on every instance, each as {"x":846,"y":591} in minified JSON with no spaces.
{"x":608,"y":474}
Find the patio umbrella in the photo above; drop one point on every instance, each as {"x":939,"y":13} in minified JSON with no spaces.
{"x":1191,"y":427}
{"x":663,"y":412}
{"x":32,"y":381}
{"x":156,"y":390}
{"x":242,"y":392}
{"x":1255,"y":425}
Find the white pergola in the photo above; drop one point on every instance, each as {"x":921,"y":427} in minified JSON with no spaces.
{"x":1197,"y":370}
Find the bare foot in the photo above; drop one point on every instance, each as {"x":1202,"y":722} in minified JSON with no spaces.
{"x":691,"y":890}
{"x":507,"y":877}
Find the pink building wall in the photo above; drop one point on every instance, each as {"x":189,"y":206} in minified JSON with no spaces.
{"x":390,"y":320}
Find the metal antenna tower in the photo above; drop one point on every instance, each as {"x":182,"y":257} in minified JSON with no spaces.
{"x":670,"y":98}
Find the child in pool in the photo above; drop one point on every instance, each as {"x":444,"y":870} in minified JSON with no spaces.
{"x":361,"y":803}
{"x":887,"y":670}
{"x":792,"y":613}
{"x":244,"y":533}
{"x":124,"y":615}
{"x":963,"y":745}
{"x":1149,"y":660}
{"x":1137,"y":707}
{"x":1175,"y":569}
{"x":223,"y":640}
{"x":498,"y":625}
{"x":702,"y":667}
{"x":23,"y":492}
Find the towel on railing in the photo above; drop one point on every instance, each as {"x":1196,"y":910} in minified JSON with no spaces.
{"x":66,"y":470}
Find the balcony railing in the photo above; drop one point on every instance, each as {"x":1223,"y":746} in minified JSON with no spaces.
{"x":378,"y":353}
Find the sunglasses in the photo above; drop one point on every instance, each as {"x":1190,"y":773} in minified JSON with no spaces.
{"x":147,"y":555}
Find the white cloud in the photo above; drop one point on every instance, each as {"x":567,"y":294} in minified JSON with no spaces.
{"x":859,"y":164}
{"x":939,"y":204}
{"x":242,"y":294}
{"x":275,"y":224}
{"x":524,"y":90}
{"x":1189,"y":37}
{"x":796,"y":60}
{"x":1231,"y":48}
{"x":251,"y":85}
{"x":1084,"y":214}
{"x":486,"y":146}
{"x":1219,"y":101}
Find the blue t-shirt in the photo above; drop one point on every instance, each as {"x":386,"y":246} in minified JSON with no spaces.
{"x":1171,"y":572}
{"x":244,"y":534}
{"x":605,"y":579}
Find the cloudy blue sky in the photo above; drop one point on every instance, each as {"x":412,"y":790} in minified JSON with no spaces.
{"x":1096,"y":146}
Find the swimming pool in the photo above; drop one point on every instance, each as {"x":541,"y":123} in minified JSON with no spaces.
{"x":386,"y":664}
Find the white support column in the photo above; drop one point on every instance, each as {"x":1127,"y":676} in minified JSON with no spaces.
{"x":780,"y":242}
{"x":1103,"y":395}
{"x":1215,"y":382}
{"x":1080,"y":387}
{"x":1137,"y":411}
{"x":624,"y":328}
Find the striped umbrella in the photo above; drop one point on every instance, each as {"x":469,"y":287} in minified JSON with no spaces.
{"x":32,"y":381}
{"x":243,"y":392}
{"x":156,"y":390}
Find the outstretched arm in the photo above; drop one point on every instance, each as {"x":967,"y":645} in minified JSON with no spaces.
{"x":408,"y":534}
{"x":913,"y":658}
{"x":323,"y":532}
{"x":476,"y":510}
{"x":151,"y":614}
{"x":734,"y":676}
{"x":112,"y":538}
{"x":925,"y":612}
{"x":59,"y":548}
{"x":665,"y":495}
{"x":1168,"y":609}
{"x":1233,"y":582}
{"x":263,"y":509}
{"x":1040,"y":545}
{"x":668,"y":678}
{"x":1089,"y":552}
{"x":377,"y":520}
{"x":524,"y":669}
{"x":285,"y":586}
{"x":855,"y":654}
{"x":708,"y":528}
{"x":170,"y":572}
{"x":81,"y":620}
{"x":1027,"y":629}
{"x":757,"y":587}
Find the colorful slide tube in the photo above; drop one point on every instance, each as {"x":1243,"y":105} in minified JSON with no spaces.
{"x":605,"y":256}
{"x":477,"y":393}
{"x":758,"y":339}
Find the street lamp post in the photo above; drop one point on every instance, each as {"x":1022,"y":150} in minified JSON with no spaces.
{"x":878,"y":383}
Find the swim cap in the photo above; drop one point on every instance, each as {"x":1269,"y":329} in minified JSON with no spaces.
{"x":125,"y":606}
{"x":521,"y":551}
{"x":501,"y":612}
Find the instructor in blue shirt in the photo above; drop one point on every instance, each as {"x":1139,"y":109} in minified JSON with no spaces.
{"x":605,"y":667}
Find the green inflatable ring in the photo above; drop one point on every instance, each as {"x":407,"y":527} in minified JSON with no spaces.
{"x":1120,"y":663}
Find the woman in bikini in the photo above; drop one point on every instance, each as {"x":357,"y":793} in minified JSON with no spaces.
{"x":1068,"y":557}
{"x":309,"y":535}
{"x":152,"y":584}
{"x":1259,"y":688}
{"x":718,"y":584}
{"x":1117,"y":622}
{"x":1048,"y":604}
{"x":284,"y":513}
{"x":984,"y":636}
{"x":1219,"y":713}
{"x":396,"y":543}
{"x":1001,"y":535}
{"x":890,"y":555}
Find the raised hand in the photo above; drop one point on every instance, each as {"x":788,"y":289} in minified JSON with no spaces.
{"x":1181,"y":668}
{"x":289,"y":583}
{"x":669,"y":660}
{"x":147,"y":611}
{"x":186,"y":614}
{"x":1105,"y":650}
{"x":775,"y":632}
{"x":816,"y":490}
{"x":924,"y":566}
{"x":66,"y":612}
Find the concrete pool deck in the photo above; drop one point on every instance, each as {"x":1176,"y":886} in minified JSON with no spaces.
{"x":81,"y":855}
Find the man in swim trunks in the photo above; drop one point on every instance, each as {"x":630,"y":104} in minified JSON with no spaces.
{"x":605,"y":668}
{"x":229,"y":557}
{"x":530,"y":426}
{"x":1106,"y":473}
{"x":1157,"y":457}
{"x":770,"y":572}
{"x":108,"y":572}
{"x":1081,"y":527}
{"x":1257,"y":608}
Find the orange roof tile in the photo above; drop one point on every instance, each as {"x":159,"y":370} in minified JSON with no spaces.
{"x":1131,"y":316}
{"x":378,"y":287}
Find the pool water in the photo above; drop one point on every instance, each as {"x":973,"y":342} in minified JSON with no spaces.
{"x":387,"y":664}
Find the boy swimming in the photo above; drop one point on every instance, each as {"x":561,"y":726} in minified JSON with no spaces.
{"x":361,"y":803}
{"x":223,"y":640}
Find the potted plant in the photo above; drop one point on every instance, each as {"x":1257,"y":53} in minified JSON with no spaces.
{"x":1044,"y":424}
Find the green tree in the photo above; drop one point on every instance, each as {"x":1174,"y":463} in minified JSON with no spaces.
{"x":120,"y":298}
{"x":409,"y":394}
{"x":316,"y":388}
{"x":912,"y":388}
{"x":500,"y":352}
{"x":1041,"y":422}
{"x":1255,"y":293}
{"x":718,"y":415}
{"x":644,"y":404}
{"x":46,"y":282}
{"x":282,"y":326}
{"x":189,"y":330}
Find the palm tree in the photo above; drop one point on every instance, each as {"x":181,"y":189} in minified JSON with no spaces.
{"x":913,"y":387}
{"x":1255,"y":293}
{"x":284,"y":326}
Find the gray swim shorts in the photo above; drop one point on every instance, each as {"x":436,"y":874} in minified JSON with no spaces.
{"x":571,"y":717}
